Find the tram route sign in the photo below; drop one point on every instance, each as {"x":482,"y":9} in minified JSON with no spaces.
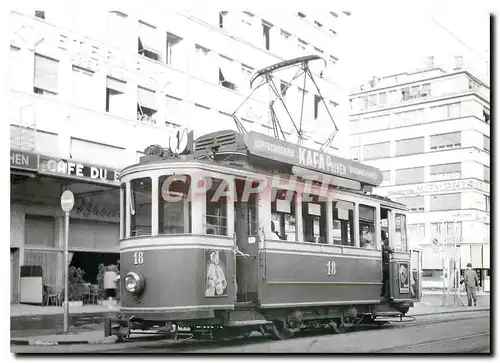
{"x":270,"y":148}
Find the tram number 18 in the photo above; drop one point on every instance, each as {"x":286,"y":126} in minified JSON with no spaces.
{"x":331,"y":269}
{"x":138,"y":258}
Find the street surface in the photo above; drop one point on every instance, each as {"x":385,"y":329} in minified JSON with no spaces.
{"x":446,"y":333}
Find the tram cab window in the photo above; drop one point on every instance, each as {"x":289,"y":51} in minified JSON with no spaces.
{"x":343,"y":223}
{"x":140,"y":207}
{"x":174,"y":207}
{"x":314,"y":219}
{"x":216,"y":207}
{"x":283,"y":214}
{"x":367,"y":227}
{"x":400,"y":237}
{"x":384,"y":222}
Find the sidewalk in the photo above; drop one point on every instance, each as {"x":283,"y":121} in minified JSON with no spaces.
{"x":19,"y":310}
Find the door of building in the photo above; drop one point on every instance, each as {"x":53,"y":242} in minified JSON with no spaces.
{"x":14,"y":275}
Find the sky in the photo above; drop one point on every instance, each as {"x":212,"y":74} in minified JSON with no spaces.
{"x":384,"y":40}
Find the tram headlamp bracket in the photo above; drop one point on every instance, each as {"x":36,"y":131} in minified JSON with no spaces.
{"x":134,"y":283}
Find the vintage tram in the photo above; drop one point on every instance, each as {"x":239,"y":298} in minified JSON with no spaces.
{"x":244,"y":232}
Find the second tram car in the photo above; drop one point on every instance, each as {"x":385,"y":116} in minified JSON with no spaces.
{"x":246,"y":232}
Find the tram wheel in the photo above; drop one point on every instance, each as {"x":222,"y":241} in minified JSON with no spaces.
{"x":280,"y":331}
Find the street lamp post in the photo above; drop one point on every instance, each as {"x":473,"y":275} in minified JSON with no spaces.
{"x":67,"y":203}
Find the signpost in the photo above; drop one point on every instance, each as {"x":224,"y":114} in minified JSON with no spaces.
{"x":67,"y":203}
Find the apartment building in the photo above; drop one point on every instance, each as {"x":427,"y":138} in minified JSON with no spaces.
{"x":429,"y":133}
{"x":89,"y":91}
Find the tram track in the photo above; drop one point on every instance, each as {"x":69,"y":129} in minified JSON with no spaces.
{"x":188,"y":344}
{"x":398,"y":349}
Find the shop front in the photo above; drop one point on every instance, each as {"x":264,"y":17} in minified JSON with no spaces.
{"x":37,"y":221}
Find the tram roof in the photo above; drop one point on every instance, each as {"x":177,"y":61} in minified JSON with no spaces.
{"x":257,"y":148}
{"x":304,"y":160}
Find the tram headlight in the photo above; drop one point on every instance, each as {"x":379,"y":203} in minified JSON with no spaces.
{"x":134,"y":283}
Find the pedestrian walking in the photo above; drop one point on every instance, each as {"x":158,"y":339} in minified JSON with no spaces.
{"x":471,"y":283}
{"x":110,"y":278}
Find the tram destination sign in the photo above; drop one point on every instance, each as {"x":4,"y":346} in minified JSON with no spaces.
{"x":270,"y":148}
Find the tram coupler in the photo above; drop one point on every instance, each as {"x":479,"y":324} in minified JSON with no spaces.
{"x":117,"y":326}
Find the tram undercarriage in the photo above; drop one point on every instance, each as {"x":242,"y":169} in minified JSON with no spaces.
{"x":278,"y":324}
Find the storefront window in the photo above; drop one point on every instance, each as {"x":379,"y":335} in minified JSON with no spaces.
{"x":216,"y":212}
{"x":174,"y":207}
{"x":314,"y":220}
{"x":400,"y":240}
{"x":283,"y":223}
{"x":343,"y":223}
{"x":367,"y":226}
{"x":140,"y":207}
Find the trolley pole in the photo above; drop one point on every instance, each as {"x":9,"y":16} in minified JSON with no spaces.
{"x":67,"y":203}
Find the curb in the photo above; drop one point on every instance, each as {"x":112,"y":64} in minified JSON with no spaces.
{"x":34,"y":315}
{"x":32,"y":342}
{"x":449,"y":312}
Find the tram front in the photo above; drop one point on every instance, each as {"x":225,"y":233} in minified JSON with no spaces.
{"x":176,"y":265}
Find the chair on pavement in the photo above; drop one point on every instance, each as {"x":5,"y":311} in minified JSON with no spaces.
{"x":93,"y":297}
{"x":53,"y":296}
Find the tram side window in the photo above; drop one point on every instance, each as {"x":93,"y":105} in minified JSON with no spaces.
{"x":174,"y":206}
{"x":314,"y":219}
{"x":400,"y":239}
{"x":216,"y":213}
{"x":140,"y":207}
{"x":283,"y":214}
{"x":367,"y":226}
{"x":343,"y":223}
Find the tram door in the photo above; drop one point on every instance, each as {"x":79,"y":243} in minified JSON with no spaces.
{"x":245,"y":218}
{"x":416,"y":274}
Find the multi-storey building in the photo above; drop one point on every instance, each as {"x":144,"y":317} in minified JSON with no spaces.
{"x":89,"y":91}
{"x":429,"y":133}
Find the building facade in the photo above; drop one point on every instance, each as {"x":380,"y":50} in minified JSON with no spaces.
{"x":87,"y":97}
{"x":429,"y":133}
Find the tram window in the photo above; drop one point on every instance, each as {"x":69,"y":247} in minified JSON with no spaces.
{"x":384,"y":222}
{"x":283,"y":214}
{"x":242,"y":195}
{"x":343,"y":223}
{"x":140,"y":207}
{"x":216,"y":213}
{"x":314,"y":219}
{"x":174,"y":207}
{"x":400,"y":240}
{"x":367,"y":226}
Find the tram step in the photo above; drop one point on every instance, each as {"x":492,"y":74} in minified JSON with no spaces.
{"x":248,"y":322}
{"x":245,"y":304}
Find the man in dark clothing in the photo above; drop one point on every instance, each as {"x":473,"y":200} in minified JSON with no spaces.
{"x":386,"y":252}
{"x":471,"y":283}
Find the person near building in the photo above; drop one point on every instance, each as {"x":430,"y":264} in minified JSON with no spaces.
{"x":386,"y":252}
{"x":110,"y":278}
{"x":471,"y":283}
